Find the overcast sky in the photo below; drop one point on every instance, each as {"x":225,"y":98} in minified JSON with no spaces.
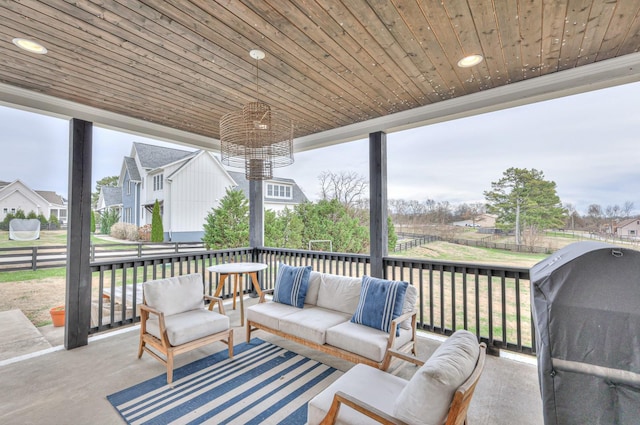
{"x":587,"y":144}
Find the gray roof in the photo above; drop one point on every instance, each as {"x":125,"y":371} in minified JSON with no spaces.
{"x":297,"y":195}
{"x":132,"y":168}
{"x":151,"y":156}
{"x":51,"y":197}
{"x":112,"y":195}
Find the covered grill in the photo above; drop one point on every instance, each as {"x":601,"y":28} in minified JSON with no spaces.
{"x":586,"y":308}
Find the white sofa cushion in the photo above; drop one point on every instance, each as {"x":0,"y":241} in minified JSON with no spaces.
{"x":340,"y":293}
{"x":175,"y":294}
{"x":363,"y":340}
{"x":314,"y":286}
{"x":269,"y":313}
{"x":189,"y":326}
{"x":410,"y":300}
{"x":428,"y":395}
{"x":380,"y":389}
{"x":311,"y":323}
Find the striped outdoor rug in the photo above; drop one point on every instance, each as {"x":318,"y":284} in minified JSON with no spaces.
{"x":263,"y":384}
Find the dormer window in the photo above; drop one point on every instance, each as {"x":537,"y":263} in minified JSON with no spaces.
{"x":280,"y":191}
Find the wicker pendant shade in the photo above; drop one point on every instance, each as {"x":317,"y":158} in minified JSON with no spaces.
{"x":257,"y":138}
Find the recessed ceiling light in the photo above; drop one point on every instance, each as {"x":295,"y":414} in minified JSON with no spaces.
{"x":469,"y":61}
{"x":30,"y":46}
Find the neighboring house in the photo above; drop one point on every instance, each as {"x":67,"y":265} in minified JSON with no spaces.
{"x":628,"y":228}
{"x":279,"y":193}
{"x":187,"y":185}
{"x":110,"y":198}
{"x":16,"y":196}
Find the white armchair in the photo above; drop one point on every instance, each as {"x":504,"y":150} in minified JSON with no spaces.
{"x":173,"y":319}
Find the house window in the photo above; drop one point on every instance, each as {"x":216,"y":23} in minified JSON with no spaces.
{"x":129,"y":187}
{"x":157,"y":182}
{"x":278,"y":191}
{"x":632,"y":232}
{"x":6,"y":210}
{"x":13,"y":210}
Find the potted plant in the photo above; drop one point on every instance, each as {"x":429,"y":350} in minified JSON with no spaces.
{"x":57,"y":315}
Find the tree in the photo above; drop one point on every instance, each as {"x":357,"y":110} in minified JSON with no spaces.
{"x":93,"y":222}
{"x":347,"y":187}
{"x":331,"y":220}
{"x":157,"y":231}
{"x":522,"y":199}
{"x":283,"y":229}
{"x":228,"y":225}
{"x":105,"y":181}
{"x":108,"y":219}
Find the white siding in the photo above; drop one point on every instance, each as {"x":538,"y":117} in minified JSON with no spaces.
{"x":194,"y":190}
{"x":17,"y":195}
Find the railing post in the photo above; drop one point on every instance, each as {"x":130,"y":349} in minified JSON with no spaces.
{"x":139,"y":249}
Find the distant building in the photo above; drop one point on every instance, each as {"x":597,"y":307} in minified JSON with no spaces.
{"x":629,"y":228}
{"x":16,"y":196}
{"x":486,"y":221}
{"x":187,"y":185}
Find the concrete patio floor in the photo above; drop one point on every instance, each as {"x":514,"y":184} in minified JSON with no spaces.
{"x":58,"y":386}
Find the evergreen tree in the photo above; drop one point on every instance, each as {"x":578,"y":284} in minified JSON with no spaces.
{"x":93,"y":222}
{"x":108,"y":219}
{"x":525,"y":201}
{"x":157,"y":231}
{"x":228,"y":225}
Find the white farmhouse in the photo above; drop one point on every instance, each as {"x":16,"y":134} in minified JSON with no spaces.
{"x":187,"y":185}
{"x":16,"y":196}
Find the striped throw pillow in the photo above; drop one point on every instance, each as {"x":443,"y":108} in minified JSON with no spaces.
{"x":380,"y":302}
{"x":291,"y":285}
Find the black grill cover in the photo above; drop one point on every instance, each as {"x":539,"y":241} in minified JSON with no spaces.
{"x":586,"y":309}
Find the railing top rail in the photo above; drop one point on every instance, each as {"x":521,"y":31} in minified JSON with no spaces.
{"x":160,"y":257}
{"x":455,"y":264}
{"x":314,"y":253}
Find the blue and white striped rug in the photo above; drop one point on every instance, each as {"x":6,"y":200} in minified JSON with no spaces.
{"x":263,"y":384}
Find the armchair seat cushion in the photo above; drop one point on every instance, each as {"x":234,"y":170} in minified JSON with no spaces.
{"x":380,"y":391}
{"x":312,"y":323}
{"x":363,"y":340}
{"x":189,"y":326}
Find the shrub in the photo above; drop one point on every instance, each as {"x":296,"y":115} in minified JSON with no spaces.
{"x":108,"y":219}
{"x":144,"y":233}
{"x":54,"y":224}
{"x":32,"y":214}
{"x":126,"y":231}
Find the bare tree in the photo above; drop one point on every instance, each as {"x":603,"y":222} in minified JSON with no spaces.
{"x":347,"y":187}
{"x":626,"y":209}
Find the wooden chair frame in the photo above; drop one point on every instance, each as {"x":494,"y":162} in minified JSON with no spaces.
{"x":164,"y":347}
{"x":457,"y":409}
{"x":343,"y":354}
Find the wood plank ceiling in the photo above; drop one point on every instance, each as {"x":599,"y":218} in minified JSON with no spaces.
{"x":328,"y":64}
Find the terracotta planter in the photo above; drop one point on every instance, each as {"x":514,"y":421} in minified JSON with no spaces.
{"x":57,"y":315}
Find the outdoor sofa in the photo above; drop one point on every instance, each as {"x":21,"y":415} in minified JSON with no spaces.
{"x":319,"y":315}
